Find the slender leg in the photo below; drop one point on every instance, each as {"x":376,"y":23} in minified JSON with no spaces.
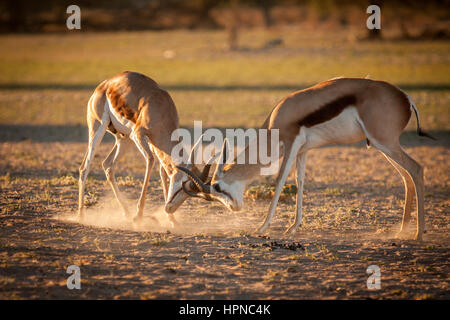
{"x":415,"y":171}
{"x":94,"y":141}
{"x":164,"y":178}
{"x":81,"y":186}
{"x":116,"y":153}
{"x":142,"y":143}
{"x":409,"y":195}
{"x":291,"y":150}
{"x":300,"y":177}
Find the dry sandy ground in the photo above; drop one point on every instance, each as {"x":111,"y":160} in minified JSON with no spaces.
{"x":352,"y":209}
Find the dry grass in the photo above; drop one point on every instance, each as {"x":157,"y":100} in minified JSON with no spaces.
{"x":216,"y":254}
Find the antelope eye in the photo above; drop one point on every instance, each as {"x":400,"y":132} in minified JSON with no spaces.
{"x":217,"y":187}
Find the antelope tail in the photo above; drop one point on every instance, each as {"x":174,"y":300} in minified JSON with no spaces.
{"x":420,"y":132}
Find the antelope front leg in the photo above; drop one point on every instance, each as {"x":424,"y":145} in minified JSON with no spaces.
{"x":120,"y":148}
{"x":301,"y":163}
{"x":164,"y":177}
{"x":281,"y":179}
{"x":94,"y":140}
{"x":143,"y":145}
{"x":291,"y":150}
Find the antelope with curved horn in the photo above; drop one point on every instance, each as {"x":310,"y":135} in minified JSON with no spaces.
{"x":337,"y":111}
{"x":137,"y":111}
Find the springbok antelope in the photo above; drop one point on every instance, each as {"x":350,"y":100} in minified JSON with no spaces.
{"x":337,"y":111}
{"x":136,"y":110}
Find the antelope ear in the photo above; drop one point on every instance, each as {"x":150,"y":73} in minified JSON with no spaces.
{"x":223,"y":159}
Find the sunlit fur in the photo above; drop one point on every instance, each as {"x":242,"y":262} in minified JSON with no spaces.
{"x":137,"y":112}
{"x":337,"y":111}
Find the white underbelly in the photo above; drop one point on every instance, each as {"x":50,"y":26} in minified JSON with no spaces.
{"x":120,"y":123}
{"x":343,"y":129}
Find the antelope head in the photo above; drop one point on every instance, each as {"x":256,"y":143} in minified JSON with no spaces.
{"x":225,"y":189}
{"x":182,"y":186}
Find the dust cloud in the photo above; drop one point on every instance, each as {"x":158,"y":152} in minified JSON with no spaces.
{"x":107,"y":214}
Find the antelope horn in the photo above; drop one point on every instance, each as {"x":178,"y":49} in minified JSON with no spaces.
{"x":191,"y":161}
{"x":196,"y":171}
{"x":196,"y":180}
{"x":203,"y":176}
{"x":205,"y":173}
{"x":223,"y":159}
{"x":192,"y":194}
{"x":196,"y":194}
{"x":196,"y":145}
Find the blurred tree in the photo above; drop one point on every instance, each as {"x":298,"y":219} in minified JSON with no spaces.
{"x":49,"y":15}
{"x":203,"y":14}
{"x":233,"y":25}
{"x":266,"y":6}
{"x":17,"y":15}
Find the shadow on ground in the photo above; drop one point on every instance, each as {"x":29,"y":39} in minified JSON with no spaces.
{"x":79,"y":133}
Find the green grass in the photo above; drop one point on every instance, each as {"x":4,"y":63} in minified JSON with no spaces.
{"x":47,"y":79}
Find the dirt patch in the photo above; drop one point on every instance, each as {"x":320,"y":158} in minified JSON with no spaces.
{"x":352,"y":209}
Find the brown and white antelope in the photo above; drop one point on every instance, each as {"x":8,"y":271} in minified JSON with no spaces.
{"x":337,"y":111}
{"x":136,"y":111}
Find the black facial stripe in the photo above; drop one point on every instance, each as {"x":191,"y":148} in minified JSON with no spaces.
{"x":227,"y":194}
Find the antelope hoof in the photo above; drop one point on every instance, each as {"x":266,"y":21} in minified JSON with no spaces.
{"x":418,"y":237}
{"x":261,"y":229}
{"x":291,"y":229}
{"x":81,"y":216}
{"x":403,"y":233}
{"x":174,"y":223}
{"x":126,"y":214}
{"x":137,"y":219}
{"x":400,"y":235}
{"x":155,"y":220}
